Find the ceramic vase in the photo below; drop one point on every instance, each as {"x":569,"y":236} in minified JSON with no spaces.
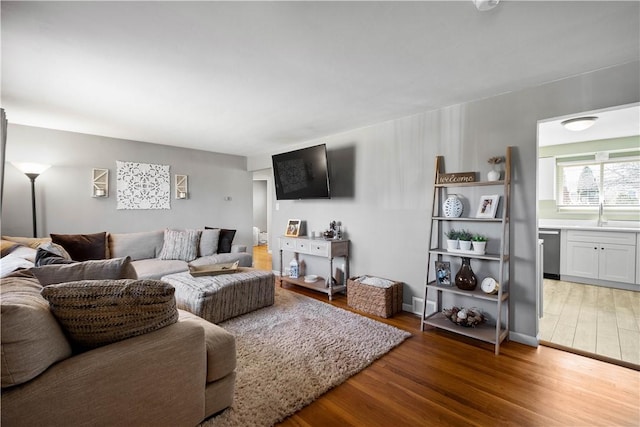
{"x":452,"y":206}
{"x":465,"y":279}
{"x":493,"y":175}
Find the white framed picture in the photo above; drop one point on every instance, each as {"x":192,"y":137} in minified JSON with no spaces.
{"x":488,"y":206}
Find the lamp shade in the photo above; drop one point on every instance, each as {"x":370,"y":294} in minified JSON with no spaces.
{"x":579,"y":123}
{"x":34,"y":168}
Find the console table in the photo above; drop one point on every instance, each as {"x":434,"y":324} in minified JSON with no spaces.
{"x":329,"y":249}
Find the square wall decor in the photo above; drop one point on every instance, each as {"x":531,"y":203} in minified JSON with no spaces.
{"x":143,"y":186}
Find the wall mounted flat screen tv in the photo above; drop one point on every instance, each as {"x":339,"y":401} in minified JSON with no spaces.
{"x":302,"y":174}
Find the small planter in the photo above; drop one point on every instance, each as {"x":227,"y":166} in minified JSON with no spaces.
{"x":479,"y":247}
{"x":452,"y":245}
{"x":465,"y":245}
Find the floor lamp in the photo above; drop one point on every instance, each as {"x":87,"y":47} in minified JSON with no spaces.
{"x":32,"y":170}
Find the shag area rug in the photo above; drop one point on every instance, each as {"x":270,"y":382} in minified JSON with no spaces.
{"x":294,"y":351}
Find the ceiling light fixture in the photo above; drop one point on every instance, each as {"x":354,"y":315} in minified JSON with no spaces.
{"x":579,"y":123}
{"x":484,"y":5}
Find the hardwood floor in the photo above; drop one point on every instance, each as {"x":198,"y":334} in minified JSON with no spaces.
{"x":592,"y":319}
{"x":440,"y":379}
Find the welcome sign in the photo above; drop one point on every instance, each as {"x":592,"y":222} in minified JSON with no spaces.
{"x":456,"y":178}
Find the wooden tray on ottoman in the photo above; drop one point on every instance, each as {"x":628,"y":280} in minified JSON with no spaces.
{"x":379,"y":301}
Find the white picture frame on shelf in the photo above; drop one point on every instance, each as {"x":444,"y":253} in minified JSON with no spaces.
{"x":293,"y":228}
{"x":488,"y":206}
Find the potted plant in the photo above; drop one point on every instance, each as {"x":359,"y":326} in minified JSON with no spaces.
{"x":479,"y":243}
{"x":452,"y":239}
{"x":465,"y":240}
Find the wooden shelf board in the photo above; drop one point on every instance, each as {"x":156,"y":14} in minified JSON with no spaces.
{"x":476,"y":293}
{"x":319,"y":285}
{"x":473,"y":219}
{"x":490,"y":257}
{"x":483,"y":332}
{"x":470,"y":184}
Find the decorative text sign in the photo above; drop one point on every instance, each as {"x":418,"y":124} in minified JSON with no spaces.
{"x":456,"y":178}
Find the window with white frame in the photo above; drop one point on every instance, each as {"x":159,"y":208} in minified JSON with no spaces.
{"x":586,"y":183}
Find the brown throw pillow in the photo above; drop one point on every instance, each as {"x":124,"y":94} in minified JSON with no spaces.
{"x":116,"y":268}
{"x":98,"y":312}
{"x":83,"y":247}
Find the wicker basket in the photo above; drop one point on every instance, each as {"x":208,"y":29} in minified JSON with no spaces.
{"x":383,"y":302}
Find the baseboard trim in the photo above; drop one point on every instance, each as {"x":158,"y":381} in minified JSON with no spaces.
{"x":523,"y":339}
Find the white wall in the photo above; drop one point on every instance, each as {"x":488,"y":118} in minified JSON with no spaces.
{"x":64,"y":201}
{"x":385,"y":205}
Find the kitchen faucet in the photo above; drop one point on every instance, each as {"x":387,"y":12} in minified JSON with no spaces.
{"x":601,"y":220}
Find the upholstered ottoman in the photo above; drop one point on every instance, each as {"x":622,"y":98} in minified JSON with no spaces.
{"x":221,"y":297}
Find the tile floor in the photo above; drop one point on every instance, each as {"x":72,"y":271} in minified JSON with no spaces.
{"x":594,"y":319}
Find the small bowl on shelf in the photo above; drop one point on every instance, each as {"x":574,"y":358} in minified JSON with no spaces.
{"x":311,"y":278}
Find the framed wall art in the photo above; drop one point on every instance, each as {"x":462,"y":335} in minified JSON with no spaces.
{"x":143,"y":186}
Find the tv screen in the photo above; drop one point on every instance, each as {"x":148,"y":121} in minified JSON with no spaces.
{"x":302,"y":174}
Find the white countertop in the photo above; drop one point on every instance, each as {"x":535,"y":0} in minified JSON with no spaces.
{"x":563,"y":224}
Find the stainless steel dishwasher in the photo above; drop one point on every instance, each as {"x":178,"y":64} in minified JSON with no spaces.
{"x":551,"y":248}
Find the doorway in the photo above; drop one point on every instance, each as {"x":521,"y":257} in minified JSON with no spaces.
{"x":595,"y":319}
{"x":262,"y":203}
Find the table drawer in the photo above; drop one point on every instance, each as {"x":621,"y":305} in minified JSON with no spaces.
{"x":288,"y":244}
{"x":302,"y":246}
{"x":319,"y":248}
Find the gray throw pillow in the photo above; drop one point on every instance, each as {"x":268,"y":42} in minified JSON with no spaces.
{"x":99,"y":312}
{"x":209,"y":242}
{"x":116,"y":268}
{"x":181,"y":245}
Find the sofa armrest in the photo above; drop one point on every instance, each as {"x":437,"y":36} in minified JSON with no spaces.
{"x":238,"y":248}
{"x":152,"y":379}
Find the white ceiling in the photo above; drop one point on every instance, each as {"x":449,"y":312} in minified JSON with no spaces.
{"x":255,"y":77}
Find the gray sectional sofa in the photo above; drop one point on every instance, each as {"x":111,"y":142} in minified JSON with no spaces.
{"x":145,"y":250}
{"x":175,"y":375}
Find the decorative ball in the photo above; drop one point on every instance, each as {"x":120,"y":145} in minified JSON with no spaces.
{"x":452,"y":206}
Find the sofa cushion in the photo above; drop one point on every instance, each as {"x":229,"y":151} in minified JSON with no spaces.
{"x":116,"y":268}
{"x":31,"y":337}
{"x":146,"y":244}
{"x":180,"y":244}
{"x":221,"y":346}
{"x":226,"y":239}
{"x":156,"y":268}
{"x":99,"y":312}
{"x":32,"y":242}
{"x":83,"y":247}
{"x":7,"y":246}
{"x":209,"y":242}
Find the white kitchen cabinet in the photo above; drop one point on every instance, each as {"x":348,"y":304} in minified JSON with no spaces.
{"x":582,"y":259}
{"x":602,"y":255}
